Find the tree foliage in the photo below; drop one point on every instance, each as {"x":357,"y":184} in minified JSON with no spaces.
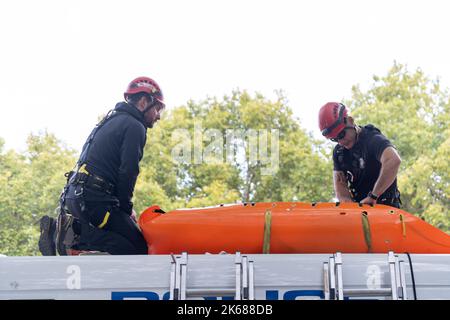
{"x":215,"y":140}
{"x":246,"y":148}
{"x":30,"y":185}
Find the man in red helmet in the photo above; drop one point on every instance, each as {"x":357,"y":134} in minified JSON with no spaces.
{"x":365,"y":161}
{"x":96,"y":209}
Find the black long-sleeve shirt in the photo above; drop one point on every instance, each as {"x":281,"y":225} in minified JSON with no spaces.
{"x":116,"y":150}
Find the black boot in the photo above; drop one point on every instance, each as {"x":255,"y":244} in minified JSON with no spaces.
{"x":46,"y":239}
{"x":66,"y":236}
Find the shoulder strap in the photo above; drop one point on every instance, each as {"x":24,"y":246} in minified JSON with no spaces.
{"x":87,"y":144}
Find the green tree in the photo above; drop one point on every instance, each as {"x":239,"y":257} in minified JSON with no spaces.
{"x":413,"y":112}
{"x":213,"y":142}
{"x":30,"y":185}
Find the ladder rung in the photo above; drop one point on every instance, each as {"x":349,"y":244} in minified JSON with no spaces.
{"x":244,"y":284}
{"x":383,"y":292}
{"x":219,"y":292}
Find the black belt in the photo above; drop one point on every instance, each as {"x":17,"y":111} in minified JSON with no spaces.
{"x":92,"y":181}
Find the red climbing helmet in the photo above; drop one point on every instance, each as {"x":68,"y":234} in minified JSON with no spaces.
{"x":147,"y":85}
{"x":332,"y":118}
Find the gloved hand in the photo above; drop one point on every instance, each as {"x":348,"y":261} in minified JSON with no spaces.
{"x":155,"y":209}
{"x":133,"y":216}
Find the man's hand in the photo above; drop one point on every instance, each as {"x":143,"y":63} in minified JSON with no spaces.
{"x":368,"y":200}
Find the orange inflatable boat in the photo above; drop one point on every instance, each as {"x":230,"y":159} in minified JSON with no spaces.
{"x":290,"y":227}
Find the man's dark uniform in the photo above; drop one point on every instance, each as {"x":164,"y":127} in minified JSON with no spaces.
{"x":362,"y":165}
{"x":103,"y":205}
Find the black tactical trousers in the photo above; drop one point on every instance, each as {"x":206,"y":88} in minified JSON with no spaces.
{"x":102,"y":226}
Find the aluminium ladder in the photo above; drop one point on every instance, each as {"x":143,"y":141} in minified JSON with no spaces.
{"x":244,"y":282}
{"x":334,"y":286}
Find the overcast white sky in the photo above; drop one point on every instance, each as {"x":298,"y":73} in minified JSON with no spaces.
{"x":63,"y":63}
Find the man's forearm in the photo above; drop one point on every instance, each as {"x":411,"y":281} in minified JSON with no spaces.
{"x":388,"y":173}
{"x":341,"y":188}
{"x":344,"y":195}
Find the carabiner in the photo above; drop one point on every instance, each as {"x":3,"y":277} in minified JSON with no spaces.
{"x":80,"y":193}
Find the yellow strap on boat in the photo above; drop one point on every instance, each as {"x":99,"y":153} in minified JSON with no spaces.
{"x":105,"y":220}
{"x":267,"y":227}
{"x":402,"y":220}
{"x":366,"y":229}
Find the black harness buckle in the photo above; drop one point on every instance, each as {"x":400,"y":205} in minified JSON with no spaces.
{"x":93,"y":182}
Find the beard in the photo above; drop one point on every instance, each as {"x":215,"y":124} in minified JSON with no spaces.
{"x":150,"y":124}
